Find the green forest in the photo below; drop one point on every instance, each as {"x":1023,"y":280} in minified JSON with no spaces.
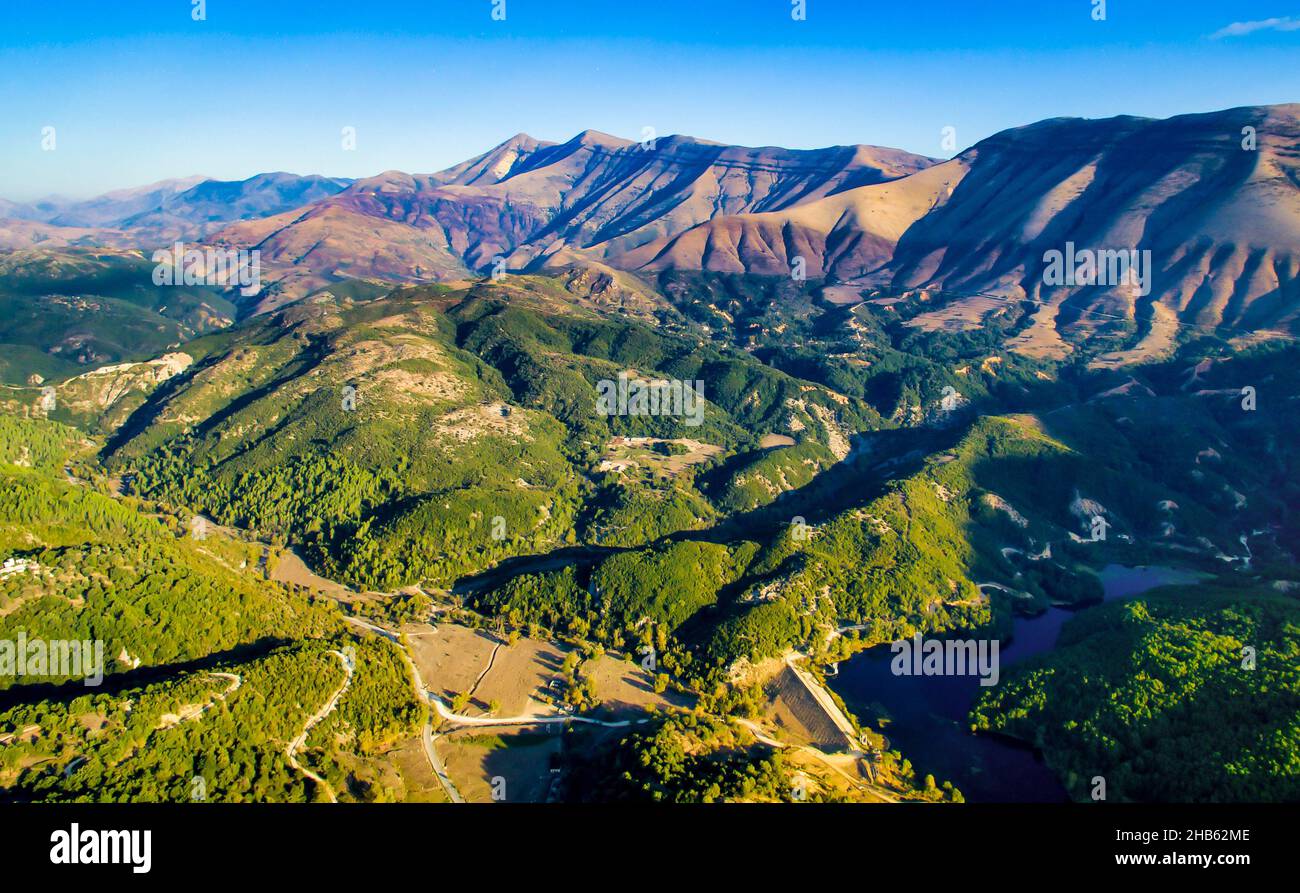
{"x":1182,"y":695}
{"x":435,"y":448}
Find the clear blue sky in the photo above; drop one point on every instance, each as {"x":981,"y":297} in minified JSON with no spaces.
{"x":138,"y":91}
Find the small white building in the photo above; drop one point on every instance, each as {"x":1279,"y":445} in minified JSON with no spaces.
{"x":17,"y":566}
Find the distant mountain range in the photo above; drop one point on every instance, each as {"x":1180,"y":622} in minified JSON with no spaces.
{"x":539,"y":205}
{"x":1214,"y":197}
{"x":146,"y":216}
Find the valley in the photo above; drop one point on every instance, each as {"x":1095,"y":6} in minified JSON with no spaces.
{"x":386,"y":493}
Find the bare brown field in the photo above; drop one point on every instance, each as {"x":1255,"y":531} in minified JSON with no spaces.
{"x":1157,"y":344}
{"x":623,"y":453}
{"x":450,"y":657}
{"x":287,"y":567}
{"x":1041,"y":340}
{"x":519,"y":675}
{"x":625,"y":687}
{"x":421,"y":784}
{"x":842,"y":295}
{"x":961,"y":315}
{"x":520,"y":759}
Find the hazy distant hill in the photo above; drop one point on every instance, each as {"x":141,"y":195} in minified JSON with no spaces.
{"x":222,"y":201}
{"x":106,"y":210}
{"x":148,"y":216}
{"x":113,"y":209}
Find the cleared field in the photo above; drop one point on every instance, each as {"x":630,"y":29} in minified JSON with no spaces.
{"x":1157,"y":344}
{"x":519,"y":674}
{"x":843,"y":295}
{"x":623,"y":453}
{"x":516,"y":763}
{"x":960,"y":315}
{"x":417,"y":777}
{"x":288,"y":567}
{"x":624,"y":687}
{"x":1041,"y":339}
{"x":450,"y":657}
{"x":524,"y":679}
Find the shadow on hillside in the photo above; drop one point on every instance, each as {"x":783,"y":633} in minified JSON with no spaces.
{"x":115,"y":683}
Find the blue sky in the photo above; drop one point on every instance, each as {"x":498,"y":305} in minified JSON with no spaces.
{"x":138,"y":91}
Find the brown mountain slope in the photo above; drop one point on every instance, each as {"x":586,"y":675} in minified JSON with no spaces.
{"x":303,"y":250}
{"x":533,"y":204}
{"x":1222,"y":223}
{"x":842,"y":235}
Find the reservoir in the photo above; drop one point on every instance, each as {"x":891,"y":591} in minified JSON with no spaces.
{"x":928,"y":714}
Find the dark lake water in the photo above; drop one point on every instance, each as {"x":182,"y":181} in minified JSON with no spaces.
{"x":929,"y":714}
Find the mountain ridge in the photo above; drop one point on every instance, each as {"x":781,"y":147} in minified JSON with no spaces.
{"x":528,"y":205}
{"x":1214,"y":197}
{"x":1222,"y":224}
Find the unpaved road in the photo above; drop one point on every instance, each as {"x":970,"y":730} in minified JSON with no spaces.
{"x":824,"y":758}
{"x":426,"y":735}
{"x":436,"y":764}
{"x":319,"y":715}
{"x":528,"y":719}
{"x":167,"y":720}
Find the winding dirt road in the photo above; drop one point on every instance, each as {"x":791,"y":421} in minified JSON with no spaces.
{"x":826,"y":759}
{"x":426,"y":735}
{"x":297,"y":743}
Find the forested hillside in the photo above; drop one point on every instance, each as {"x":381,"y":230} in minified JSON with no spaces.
{"x":1185,"y":695}
{"x":203,"y":669}
{"x":442,"y":449}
